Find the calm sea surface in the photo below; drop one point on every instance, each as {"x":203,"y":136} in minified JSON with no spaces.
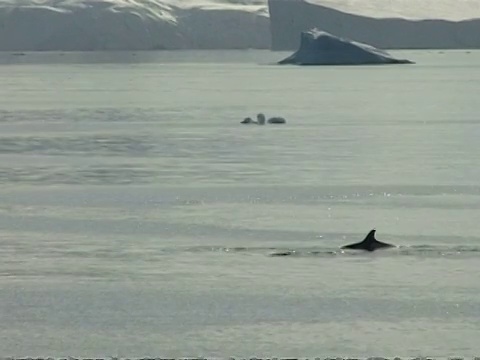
{"x":138,"y":217}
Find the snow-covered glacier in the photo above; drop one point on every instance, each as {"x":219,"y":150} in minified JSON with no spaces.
{"x":453,"y":10}
{"x":82,"y":25}
{"x":232,"y":24}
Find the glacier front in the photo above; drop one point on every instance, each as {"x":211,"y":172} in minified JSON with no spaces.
{"x":321,"y":48}
{"x":396,"y":24}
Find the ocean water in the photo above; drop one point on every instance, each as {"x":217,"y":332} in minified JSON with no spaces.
{"x":138,"y":217}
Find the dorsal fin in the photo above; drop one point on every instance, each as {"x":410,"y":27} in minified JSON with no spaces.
{"x":368,"y":244}
{"x":370,"y":237}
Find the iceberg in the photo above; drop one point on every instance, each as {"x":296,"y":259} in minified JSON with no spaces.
{"x":321,"y":48}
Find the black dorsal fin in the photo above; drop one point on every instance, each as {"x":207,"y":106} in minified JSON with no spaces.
{"x":368,"y":244}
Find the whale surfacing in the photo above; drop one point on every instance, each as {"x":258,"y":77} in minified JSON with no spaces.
{"x":248,"y":120}
{"x":368,"y":244}
{"x":261,"y":120}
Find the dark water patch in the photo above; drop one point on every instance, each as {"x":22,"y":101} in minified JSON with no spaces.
{"x":98,"y":145}
{"x":424,"y":251}
{"x":222,"y":152}
{"x":156,"y":254}
{"x":87,"y":115}
{"x":121,"y":174}
{"x":89,"y":175}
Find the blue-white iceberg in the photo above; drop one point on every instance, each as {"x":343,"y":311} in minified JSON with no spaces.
{"x":321,"y":48}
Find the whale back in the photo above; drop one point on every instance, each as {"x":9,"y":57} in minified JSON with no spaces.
{"x":277,"y":120}
{"x":247,"y":120}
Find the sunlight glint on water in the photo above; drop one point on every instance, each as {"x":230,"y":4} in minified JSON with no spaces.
{"x":139,"y":218}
